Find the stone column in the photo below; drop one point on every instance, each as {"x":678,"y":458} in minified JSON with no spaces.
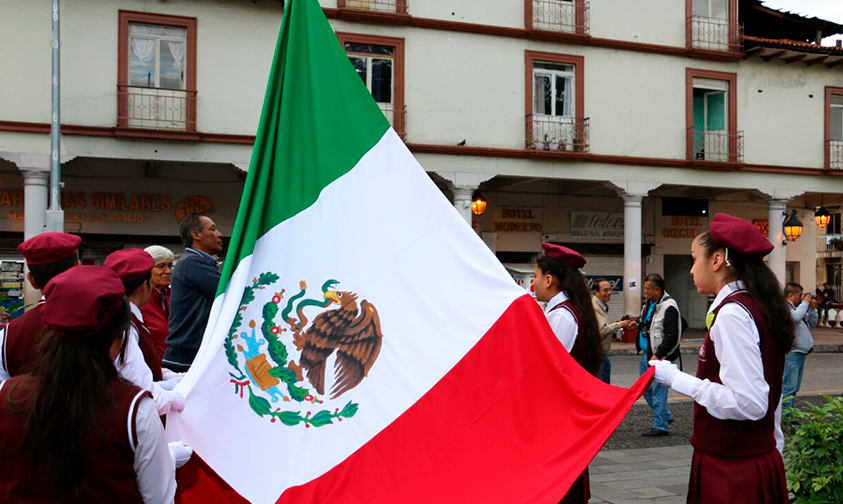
{"x":775,"y":225}
{"x":462,"y":200}
{"x":632,"y":240}
{"x":35,"y":203}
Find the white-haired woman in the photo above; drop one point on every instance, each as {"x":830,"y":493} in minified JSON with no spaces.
{"x":156,"y":312}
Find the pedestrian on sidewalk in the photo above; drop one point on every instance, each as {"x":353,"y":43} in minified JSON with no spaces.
{"x":737,"y":436}
{"x":804,"y":312}
{"x":661,"y":328}
{"x":602,"y":290}
{"x":826,"y":298}
{"x":559,"y":282}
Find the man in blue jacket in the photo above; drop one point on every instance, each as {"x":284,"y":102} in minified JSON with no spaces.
{"x":193,"y":288}
{"x":804,"y":311}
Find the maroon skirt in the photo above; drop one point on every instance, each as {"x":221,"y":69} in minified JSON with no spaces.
{"x":749,"y":480}
{"x":580,"y":491}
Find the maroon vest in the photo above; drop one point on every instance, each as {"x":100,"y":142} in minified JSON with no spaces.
{"x":22,"y":337}
{"x":147,"y":347}
{"x":739,"y":438}
{"x":578,"y":352}
{"x":109,"y":465}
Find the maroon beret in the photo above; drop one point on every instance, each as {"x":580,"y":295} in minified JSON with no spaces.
{"x":130,"y":264}
{"x":49,"y":247}
{"x":739,"y":235}
{"x":563,"y":255}
{"x":82,"y":300}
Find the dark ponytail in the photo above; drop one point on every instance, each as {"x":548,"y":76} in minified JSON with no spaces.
{"x":71,"y":379}
{"x":764,"y":288}
{"x":572,"y":283}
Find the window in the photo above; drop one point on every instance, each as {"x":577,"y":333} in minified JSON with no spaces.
{"x":555,"y":103}
{"x":834,"y":128}
{"x":379,"y":62}
{"x":157,"y":56}
{"x":387,"y":6}
{"x":713,"y":25}
{"x":156,"y":74}
{"x":712,"y":122}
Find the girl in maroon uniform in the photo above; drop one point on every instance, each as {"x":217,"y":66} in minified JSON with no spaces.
{"x":73,"y":430}
{"x":737,"y":436}
{"x":571,"y":316}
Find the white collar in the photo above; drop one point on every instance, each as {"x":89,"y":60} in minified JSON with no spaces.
{"x":556,"y":301}
{"x":724,"y":292}
{"x":136,"y":311}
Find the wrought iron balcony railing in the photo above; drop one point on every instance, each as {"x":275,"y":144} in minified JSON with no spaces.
{"x":156,"y":108}
{"x":715,"y":145}
{"x":388,"y":6}
{"x":397,"y":117}
{"x":566,"y":16}
{"x":714,"y":34}
{"x":554,"y":133}
{"x":830,"y":245}
{"x":835,"y":154}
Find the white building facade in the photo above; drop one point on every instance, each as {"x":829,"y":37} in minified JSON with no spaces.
{"x":614,"y":127}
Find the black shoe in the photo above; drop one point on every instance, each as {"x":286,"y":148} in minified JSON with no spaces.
{"x":655,"y":433}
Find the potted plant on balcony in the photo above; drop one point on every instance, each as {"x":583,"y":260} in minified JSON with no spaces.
{"x":836,"y":242}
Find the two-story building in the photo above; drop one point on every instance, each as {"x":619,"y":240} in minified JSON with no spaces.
{"x":615,"y":127}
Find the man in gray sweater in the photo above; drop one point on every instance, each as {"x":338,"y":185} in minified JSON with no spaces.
{"x":193,"y":288}
{"x":805,"y":315}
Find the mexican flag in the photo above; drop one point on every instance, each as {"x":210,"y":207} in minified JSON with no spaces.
{"x":365,"y":345}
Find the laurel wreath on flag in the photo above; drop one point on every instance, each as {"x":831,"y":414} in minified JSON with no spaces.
{"x":278,"y":353}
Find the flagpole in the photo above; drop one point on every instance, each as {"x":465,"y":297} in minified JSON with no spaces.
{"x":55,"y":215}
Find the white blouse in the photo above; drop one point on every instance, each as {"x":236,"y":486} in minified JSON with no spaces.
{"x":562,"y":321}
{"x":743,"y":395}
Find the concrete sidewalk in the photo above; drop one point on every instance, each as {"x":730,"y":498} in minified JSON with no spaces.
{"x":826,"y":340}
{"x":641,"y":476}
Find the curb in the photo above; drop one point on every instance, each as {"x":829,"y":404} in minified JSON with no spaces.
{"x":696,"y":349}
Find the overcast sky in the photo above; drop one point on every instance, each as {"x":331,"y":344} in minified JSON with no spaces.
{"x":831,"y":10}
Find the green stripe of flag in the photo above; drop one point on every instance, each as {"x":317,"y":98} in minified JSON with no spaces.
{"x":318,"y":120}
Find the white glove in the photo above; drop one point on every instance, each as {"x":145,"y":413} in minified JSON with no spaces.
{"x":171,"y":383}
{"x":666,"y":371}
{"x":180,"y":453}
{"x":167,"y":401}
{"x":167,"y":374}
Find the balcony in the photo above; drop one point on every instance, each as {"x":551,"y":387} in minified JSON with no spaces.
{"x":387,"y":6}
{"x":830,"y":245}
{"x":834,"y":150}
{"x":565,"y":16}
{"x":715,"y":145}
{"x":712,"y":34}
{"x":397,"y":118}
{"x":558,"y":134}
{"x":156,"y":108}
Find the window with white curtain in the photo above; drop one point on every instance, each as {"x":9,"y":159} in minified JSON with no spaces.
{"x":553,"y":89}
{"x":157,"y":56}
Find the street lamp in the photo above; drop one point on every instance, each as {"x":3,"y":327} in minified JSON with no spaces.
{"x":478,"y":203}
{"x":822,"y":217}
{"x":792,"y":227}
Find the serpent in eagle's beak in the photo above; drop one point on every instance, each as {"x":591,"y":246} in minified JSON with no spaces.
{"x":332,"y":296}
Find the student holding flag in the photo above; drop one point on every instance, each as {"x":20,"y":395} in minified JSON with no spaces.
{"x":737,"y":436}
{"x":63,"y":428}
{"x":560,"y":284}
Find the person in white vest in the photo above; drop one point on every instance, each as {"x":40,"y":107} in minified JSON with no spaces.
{"x":661,"y":328}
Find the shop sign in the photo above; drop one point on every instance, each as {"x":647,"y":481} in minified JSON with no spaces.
{"x":597,"y":225}
{"x":615,"y":281}
{"x":193,"y":204}
{"x":762,"y":225}
{"x":518,"y":220}
{"x":684,"y":227}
